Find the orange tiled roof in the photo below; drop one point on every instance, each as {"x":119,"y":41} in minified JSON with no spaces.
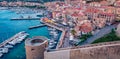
{"x":118,"y":2}
{"x":78,"y":8}
{"x":92,"y":10}
{"x":103,"y":2}
{"x":75,"y":14}
{"x":86,"y":27}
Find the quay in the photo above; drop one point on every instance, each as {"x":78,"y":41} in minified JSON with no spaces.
{"x":50,"y":25}
{"x":10,"y":39}
{"x":4,"y":46}
{"x":37,"y":26}
{"x":25,"y":18}
{"x":61,"y":40}
{"x":62,"y":35}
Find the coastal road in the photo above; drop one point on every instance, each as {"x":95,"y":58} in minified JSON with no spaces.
{"x":101,"y":33}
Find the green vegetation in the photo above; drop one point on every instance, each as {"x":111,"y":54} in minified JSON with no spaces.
{"x":108,"y":38}
{"x":85,"y":36}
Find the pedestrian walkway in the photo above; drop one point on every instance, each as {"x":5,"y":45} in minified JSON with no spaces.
{"x":101,"y":33}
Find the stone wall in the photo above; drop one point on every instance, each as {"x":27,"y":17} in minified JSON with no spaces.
{"x":109,"y":50}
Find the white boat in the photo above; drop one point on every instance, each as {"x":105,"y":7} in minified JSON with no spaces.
{"x":1,"y":54}
{"x":8,"y":46}
{"x":49,"y":47}
{"x":21,"y":36}
{"x":12,"y":42}
{"x":52,"y":43}
{"x":53,"y":33}
{"x":3,"y":50}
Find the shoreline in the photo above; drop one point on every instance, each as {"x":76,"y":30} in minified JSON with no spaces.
{"x":17,"y":26}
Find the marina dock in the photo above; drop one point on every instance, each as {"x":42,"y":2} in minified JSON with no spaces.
{"x":61,"y":39}
{"x":37,"y":26}
{"x":50,"y":25}
{"x":9,"y":43}
{"x":25,"y":18}
{"x":62,"y":35}
{"x":10,"y":39}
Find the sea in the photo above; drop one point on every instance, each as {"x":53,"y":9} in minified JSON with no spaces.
{"x":9,"y":28}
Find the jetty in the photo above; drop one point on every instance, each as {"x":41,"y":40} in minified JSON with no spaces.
{"x":60,"y":43}
{"x":58,"y":28}
{"x":53,"y":26}
{"x":37,"y":26}
{"x":25,"y":18}
{"x":9,"y":43}
{"x":10,"y":39}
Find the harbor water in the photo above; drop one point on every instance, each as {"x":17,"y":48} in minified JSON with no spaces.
{"x":9,"y":28}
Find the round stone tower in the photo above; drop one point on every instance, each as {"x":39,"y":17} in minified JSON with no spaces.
{"x":35,"y":47}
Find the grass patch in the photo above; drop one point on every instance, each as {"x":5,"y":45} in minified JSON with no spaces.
{"x":108,"y":38}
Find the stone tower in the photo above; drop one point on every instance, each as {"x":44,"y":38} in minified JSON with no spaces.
{"x":35,"y":47}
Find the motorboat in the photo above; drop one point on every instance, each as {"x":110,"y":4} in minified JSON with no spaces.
{"x":8,"y":46}
{"x":3,"y":50}
{"x":1,"y":54}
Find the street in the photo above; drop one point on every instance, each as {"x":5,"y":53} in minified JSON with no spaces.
{"x":101,"y":33}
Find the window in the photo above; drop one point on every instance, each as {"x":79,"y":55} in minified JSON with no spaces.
{"x":32,"y":49}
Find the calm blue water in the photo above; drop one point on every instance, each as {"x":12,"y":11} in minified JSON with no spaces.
{"x":9,"y":28}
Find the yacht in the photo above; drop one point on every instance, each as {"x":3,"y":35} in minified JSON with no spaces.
{"x":1,"y":54}
{"x":52,"y":43}
{"x":12,"y":42}
{"x":8,"y":46}
{"x":3,"y":50}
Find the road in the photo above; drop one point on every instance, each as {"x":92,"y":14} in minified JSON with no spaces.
{"x":101,"y":33}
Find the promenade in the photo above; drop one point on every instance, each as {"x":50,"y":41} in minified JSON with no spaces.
{"x":101,"y":33}
{"x":25,"y":18}
{"x":37,"y":26}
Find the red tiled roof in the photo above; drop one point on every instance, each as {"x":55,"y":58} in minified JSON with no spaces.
{"x":92,"y":10}
{"x":77,"y":14}
{"x":118,"y":2}
{"x":64,"y":12}
{"x":86,"y":27}
{"x":78,"y":8}
{"x":103,"y":2}
{"x":68,"y":8}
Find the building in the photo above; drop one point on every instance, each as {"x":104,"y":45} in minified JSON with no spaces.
{"x":73,"y":1}
{"x":35,"y":47}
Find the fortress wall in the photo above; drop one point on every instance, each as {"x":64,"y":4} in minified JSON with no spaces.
{"x":105,"y":52}
{"x":109,"y":50}
{"x":57,"y":55}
